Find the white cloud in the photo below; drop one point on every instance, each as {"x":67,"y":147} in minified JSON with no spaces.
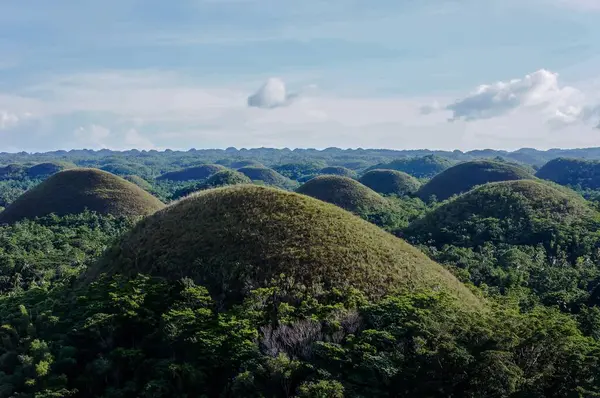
{"x":272,"y":94}
{"x":91,"y":137}
{"x":8,"y":120}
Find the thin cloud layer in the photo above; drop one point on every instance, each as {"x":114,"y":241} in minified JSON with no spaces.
{"x":272,"y":94}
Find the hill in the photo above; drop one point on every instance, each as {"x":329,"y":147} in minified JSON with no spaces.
{"x":524,"y":212}
{"x":464,"y":176}
{"x":337,"y":171}
{"x":139,"y":181}
{"x":390,"y":182}
{"x":201,"y":172}
{"x":220,"y":179}
{"x":420,"y":167}
{"x":235,"y":239}
{"x":344,"y":192}
{"x":43,"y":170}
{"x":572,"y":172}
{"x":124,"y":169}
{"x":267,"y":176}
{"x":12,"y":171}
{"x":245,"y":163}
{"x":73,"y":191}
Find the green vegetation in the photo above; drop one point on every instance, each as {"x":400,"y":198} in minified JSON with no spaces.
{"x":268,"y":177}
{"x":201,"y":172}
{"x":390,"y":182}
{"x":424,"y":167}
{"x":44,"y":170}
{"x":249,"y":291}
{"x":464,"y":176}
{"x":73,"y":191}
{"x":337,"y":171}
{"x":236,"y":239}
{"x":576,"y":173}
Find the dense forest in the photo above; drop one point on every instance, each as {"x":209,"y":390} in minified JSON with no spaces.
{"x":300,"y":273}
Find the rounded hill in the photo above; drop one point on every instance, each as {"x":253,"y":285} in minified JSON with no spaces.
{"x":337,"y":171}
{"x":139,"y":181}
{"x":344,"y":192}
{"x":267,"y":176}
{"x":201,"y":172}
{"x":220,"y":179}
{"x":572,"y":172}
{"x":390,"y":182}
{"x":236,"y":239}
{"x":245,"y":163}
{"x":47,"y":169}
{"x":420,"y":167}
{"x":464,"y":176}
{"x":524,"y":212}
{"x":73,"y":191}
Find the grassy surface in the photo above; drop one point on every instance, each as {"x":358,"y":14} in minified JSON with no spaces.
{"x":580,"y":173}
{"x":344,"y":192}
{"x":267,"y":176}
{"x":139,"y":181}
{"x":235,"y":239}
{"x":420,"y":167}
{"x":337,"y":171}
{"x":245,"y":163}
{"x":201,"y":172}
{"x":48,"y":168}
{"x":390,"y":182}
{"x":464,"y":176}
{"x":73,"y":191}
{"x":524,"y":212}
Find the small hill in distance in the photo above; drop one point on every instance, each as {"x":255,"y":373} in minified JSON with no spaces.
{"x":464,"y":176}
{"x":267,"y":176}
{"x":201,"y":172}
{"x":390,"y":182}
{"x":337,"y":171}
{"x":419,"y":167}
{"x":47,"y":169}
{"x":522,"y":212}
{"x":139,"y":181}
{"x":220,"y":179}
{"x":246,"y":163}
{"x":572,"y":172}
{"x":75,"y":190}
{"x":236,"y":239}
{"x":344,"y":192}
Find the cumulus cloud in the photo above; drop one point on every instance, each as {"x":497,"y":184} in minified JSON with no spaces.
{"x":540,"y":90}
{"x":272,"y":94}
{"x":92,"y":137}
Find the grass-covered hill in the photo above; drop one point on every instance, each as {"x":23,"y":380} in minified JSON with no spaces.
{"x":464,"y":176}
{"x":523,"y":212}
{"x":390,"y":182}
{"x":220,"y":179}
{"x":572,"y":172}
{"x":267,"y":176}
{"x":201,"y":172}
{"x":235,"y":239}
{"x":420,"y":167}
{"x":245,"y":163}
{"x":344,"y":192}
{"x":44,"y":170}
{"x":75,"y":190}
{"x":12,"y":171}
{"x":125,"y":168}
{"x":337,"y":171}
{"x":139,"y":181}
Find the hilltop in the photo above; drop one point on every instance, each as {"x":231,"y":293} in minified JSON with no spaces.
{"x":337,"y":171}
{"x":72,"y":191}
{"x":572,"y":172}
{"x":201,"y":172}
{"x":390,"y":182}
{"x":344,"y":192}
{"x":420,"y":167}
{"x":220,"y":179}
{"x":245,"y":163}
{"x":235,"y":239}
{"x":524,"y":212}
{"x":267,"y":176}
{"x":43,"y":170}
{"x":464,"y":176}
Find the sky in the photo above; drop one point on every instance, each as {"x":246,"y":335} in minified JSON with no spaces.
{"x":398,"y":74}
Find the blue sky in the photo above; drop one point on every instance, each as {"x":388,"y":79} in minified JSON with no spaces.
{"x":399,"y":74}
